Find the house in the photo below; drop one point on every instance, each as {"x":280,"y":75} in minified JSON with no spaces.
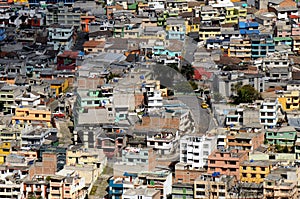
{"x":67,"y":60}
{"x":93,"y":46}
{"x":245,"y":141}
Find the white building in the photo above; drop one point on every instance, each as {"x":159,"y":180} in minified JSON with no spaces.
{"x":60,"y":36}
{"x":164,"y":142}
{"x":269,"y":113}
{"x":28,"y":99}
{"x":194,"y":150}
{"x":144,"y":193}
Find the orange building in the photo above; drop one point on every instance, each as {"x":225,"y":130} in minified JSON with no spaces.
{"x":32,"y":116}
{"x":226,"y":162}
{"x":85,"y":21}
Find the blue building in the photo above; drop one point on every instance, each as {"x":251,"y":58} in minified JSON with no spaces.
{"x":247,"y":28}
{"x":2,"y":33}
{"x":261,"y":45}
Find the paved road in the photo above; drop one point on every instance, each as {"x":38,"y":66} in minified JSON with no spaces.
{"x":202,"y":116}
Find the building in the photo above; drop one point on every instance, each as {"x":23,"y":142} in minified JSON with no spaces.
{"x":32,"y":116}
{"x":77,"y":155}
{"x":185,"y":174}
{"x":8,"y":95}
{"x":180,"y":190}
{"x":226,"y":162}
{"x":194,"y":150}
{"x":158,"y":180}
{"x":269,"y":112}
{"x":66,"y":184}
{"x":5,"y":150}
{"x":290,"y":100}
{"x":245,"y":141}
{"x":213,"y":186}
{"x":282,"y":137}
{"x":36,"y":137}
{"x":63,"y":16}
{"x":261,"y":45}
{"x":254,"y":171}
{"x":276,"y":187}
{"x":240,"y":48}
{"x":61,"y":36}
{"x":141,"y":193}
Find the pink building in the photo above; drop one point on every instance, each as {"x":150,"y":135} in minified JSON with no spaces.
{"x":226,"y":162}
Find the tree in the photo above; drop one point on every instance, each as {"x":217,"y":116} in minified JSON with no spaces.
{"x":246,"y":94}
{"x":187,"y":71}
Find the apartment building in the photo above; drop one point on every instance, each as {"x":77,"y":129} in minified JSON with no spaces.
{"x":282,"y":137}
{"x":37,"y":186}
{"x":32,"y":116}
{"x":245,"y":141}
{"x":276,"y":187}
{"x":180,"y":190}
{"x":194,"y":150}
{"x":164,"y":142}
{"x":226,"y":162}
{"x":261,"y":45}
{"x":66,"y":184}
{"x":175,"y":28}
{"x":269,"y":112}
{"x":240,"y":48}
{"x":213,"y":185}
{"x":61,"y":36}
{"x":255,"y":171}
{"x":63,"y":16}
{"x":210,"y":29}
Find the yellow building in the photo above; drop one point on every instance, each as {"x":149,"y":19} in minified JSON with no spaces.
{"x":290,"y":101}
{"x":5,"y":149}
{"x":10,"y":134}
{"x":191,"y":27}
{"x":88,"y":156}
{"x":235,"y":14}
{"x":58,"y":86}
{"x":254,"y":171}
{"x":32,"y":116}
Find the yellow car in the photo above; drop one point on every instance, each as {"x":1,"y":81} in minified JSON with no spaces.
{"x":204,"y":105}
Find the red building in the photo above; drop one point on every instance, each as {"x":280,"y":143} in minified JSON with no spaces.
{"x":67,"y":60}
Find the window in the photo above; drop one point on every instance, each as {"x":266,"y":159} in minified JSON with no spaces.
{"x":212,"y":162}
{"x":36,"y":115}
{"x":89,"y":102}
